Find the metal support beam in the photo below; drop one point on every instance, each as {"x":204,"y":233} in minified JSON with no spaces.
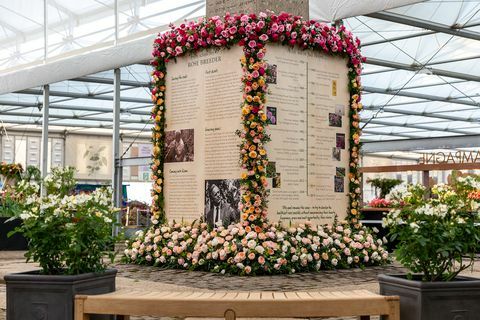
{"x":72,"y":117}
{"x":62,"y":133}
{"x":110,"y":81}
{"x":55,"y":106}
{"x":451,"y":142}
{"x":137,"y":161}
{"x":419,"y":126}
{"x":38,"y":122}
{"x":416,"y":67}
{"x":420,"y":96}
{"x":82,"y":96}
{"x":44,"y":148}
{"x":427,"y":115}
{"x":392,"y":156}
{"x":424,"y":24}
{"x":390,"y":133}
{"x":117,"y":168}
{"x":409,"y":36}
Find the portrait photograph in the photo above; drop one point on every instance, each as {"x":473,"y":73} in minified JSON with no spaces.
{"x":271,"y":74}
{"x":222,"y":198}
{"x":179,"y":145}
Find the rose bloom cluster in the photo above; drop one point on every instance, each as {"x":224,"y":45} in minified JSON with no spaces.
{"x":239,"y":249}
{"x":379,"y":203}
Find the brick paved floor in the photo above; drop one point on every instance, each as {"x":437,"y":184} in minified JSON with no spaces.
{"x":140,"y":277}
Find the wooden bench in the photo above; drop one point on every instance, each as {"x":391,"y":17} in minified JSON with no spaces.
{"x":229,"y":305}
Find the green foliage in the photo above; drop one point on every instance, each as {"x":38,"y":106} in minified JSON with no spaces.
{"x":60,"y":181}
{"x":12,"y":198}
{"x":385,"y":185}
{"x":67,"y":234}
{"x":9,"y":206}
{"x":437,"y":236}
{"x":32,"y":173}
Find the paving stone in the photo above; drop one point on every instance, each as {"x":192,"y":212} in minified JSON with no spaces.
{"x":150,"y":278}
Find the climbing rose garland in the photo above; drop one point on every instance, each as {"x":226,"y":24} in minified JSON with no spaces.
{"x":253,"y":32}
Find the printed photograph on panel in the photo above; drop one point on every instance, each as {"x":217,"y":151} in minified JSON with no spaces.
{"x":336,"y":154}
{"x":277,"y":181}
{"x":340,"y":109}
{"x":334,"y":120}
{"x":339,"y":184}
{"x":340,"y":172}
{"x":179,"y":145}
{"x":222,"y":198}
{"x":340,"y":138}
{"x":271,"y":73}
{"x":272,"y":115}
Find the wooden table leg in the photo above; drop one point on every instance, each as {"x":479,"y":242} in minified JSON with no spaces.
{"x":230,"y":315}
{"x":78,"y":310}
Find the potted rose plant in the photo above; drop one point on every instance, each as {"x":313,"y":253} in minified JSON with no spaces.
{"x":68,"y":236}
{"x":437,"y":239}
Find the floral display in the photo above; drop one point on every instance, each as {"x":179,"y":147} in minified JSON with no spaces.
{"x":253,"y":32}
{"x":11,"y":170}
{"x":239,"y":249}
{"x":379,"y":203}
{"x":437,"y":237}
{"x":255,"y":245}
{"x":385,"y":185}
{"x":66,"y":233}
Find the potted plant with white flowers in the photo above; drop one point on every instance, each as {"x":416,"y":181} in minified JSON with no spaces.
{"x":438,"y":237}
{"x":69,"y":236}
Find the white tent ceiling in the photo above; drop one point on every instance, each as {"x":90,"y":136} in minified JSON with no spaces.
{"x":420,"y":80}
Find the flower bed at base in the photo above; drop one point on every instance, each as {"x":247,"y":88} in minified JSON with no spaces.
{"x":274,"y":249}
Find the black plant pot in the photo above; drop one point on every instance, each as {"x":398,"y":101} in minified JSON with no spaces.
{"x":33,"y":296}
{"x":16,"y":241}
{"x":453,"y":300}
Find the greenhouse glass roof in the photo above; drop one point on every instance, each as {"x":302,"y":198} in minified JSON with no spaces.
{"x":421,"y":79}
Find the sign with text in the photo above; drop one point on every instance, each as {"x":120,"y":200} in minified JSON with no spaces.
{"x":309,"y":149}
{"x":450,"y":157}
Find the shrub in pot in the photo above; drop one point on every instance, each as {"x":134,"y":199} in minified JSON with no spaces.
{"x":11,"y":198}
{"x":437,"y":239}
{"x":68,"y":236}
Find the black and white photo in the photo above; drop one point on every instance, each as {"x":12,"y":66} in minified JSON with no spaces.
{"x":222,"y":198}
